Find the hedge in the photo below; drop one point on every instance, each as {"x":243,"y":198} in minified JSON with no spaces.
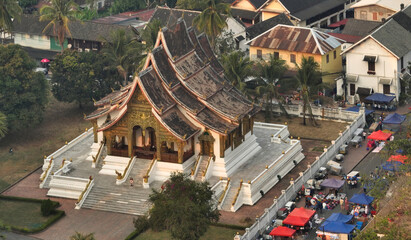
{"x":57,"y":215}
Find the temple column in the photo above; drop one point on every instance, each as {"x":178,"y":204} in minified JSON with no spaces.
{"x":158,"y":145}
{"x":108,"y":143}
{"x":143,"y":136}
{"x":130,"y":142}
{"x":232,"y":140}
{"x":222,"y":145}
{"x":94,"y":122}
{"x":180,"y":145}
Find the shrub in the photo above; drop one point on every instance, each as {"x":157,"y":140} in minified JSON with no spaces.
{"x":47,"y":207}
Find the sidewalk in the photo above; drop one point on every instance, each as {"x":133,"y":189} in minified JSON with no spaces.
{"x":105,"y":225}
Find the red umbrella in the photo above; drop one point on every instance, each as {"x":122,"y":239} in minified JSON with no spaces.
{"x":398,"y":158}
{"x":45,"y":60}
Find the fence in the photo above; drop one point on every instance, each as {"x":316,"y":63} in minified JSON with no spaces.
{"x":290,"y":192}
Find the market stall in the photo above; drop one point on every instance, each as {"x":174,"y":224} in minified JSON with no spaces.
{"x":397,"y":158}
{"x":335,"y":230}
{"x":381,"y":101}
{"x":339,"y":217}
{"x":394,"y":118}
{"x":299,"y":217}
{"x":379,"y":136}
{"x":282,"y":231}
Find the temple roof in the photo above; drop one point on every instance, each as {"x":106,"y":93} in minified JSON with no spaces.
{"x":185,"y":85}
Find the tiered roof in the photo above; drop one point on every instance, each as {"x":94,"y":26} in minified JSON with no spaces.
{"x":182,"y":72}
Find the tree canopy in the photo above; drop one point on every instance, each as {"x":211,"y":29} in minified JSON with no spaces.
{"x":23,"y":92}
{"x":211,"y":20}
{"x":120,"y":6}
{"x":150,"y":32}
{"x":184,"y":207}
{"x":59,"y":14}
{"x":81,"y":77}
{"x":8,"y":11}
{"x":198,"y":5}
{"x":3,"y":125}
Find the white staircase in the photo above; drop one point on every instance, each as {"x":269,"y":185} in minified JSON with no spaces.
{"x":128,"y":200}
{"x":230,"y":195}
{"x":67,"y":187}
{"x":201,"y":168}
{"x":111,"y":164}
{"x":94,"y":150}
{"x":139,"y":170}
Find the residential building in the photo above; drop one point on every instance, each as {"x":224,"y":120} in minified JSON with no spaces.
{"x":137,"y":19}
{"x":85,"y":36}
{"x":303,"y":13}
{"x":378,"y":10}
{"x":292,"y":43}
{"x":378,"y":61}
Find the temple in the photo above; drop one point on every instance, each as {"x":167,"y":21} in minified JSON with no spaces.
{"x":179,"y":107}
{"x":179,"y":114}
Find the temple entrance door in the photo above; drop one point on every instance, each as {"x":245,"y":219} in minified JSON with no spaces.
{"x":206,"y":144}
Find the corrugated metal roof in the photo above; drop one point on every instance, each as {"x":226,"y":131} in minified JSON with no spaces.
{"x":297,"y":39}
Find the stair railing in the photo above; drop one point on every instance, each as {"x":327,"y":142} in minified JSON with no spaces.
{"x":196,"y":165}
{"x":237,"y":194}
{"x":146,"y":177}
{"x":84,"y":193}
{"x":96,"y":158}
{"x":121,"y":178}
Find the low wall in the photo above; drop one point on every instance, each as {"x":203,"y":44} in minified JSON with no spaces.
{"x":319,"y":112}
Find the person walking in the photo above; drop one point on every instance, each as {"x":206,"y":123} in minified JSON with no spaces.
{"x":364,"y":135}
{"x":342,"y":203}
{"x":131,"y":181}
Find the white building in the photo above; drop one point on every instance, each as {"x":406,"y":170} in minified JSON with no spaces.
{"x":377,"y":62}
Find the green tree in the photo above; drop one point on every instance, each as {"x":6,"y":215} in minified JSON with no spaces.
{"x":237,"y":67}
{"x":171,"y":3}
{"x":125,"y":54}
{"x":8,"y":10}
{"x":120,"y":6}
{"x":59,"y":14}
{"x":23,"y":92}
{"x":81,"y":77}
{"x":150,"y":32}
{"x":369,"y":234}
{"x":82,"y":236}
{"x":87,"y":14}
{"x":271,"y":72}
{"x":198,"y":5}
{"x":307,"y":75}
{"x":27,"y":3}
{"x":225,"y":44}
{"x":3,"y":125}
{"x":184,"y":207}
{"x":211,"y":20}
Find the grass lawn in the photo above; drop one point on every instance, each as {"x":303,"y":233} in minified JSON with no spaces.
{"x":62,"y":122}
{"x":21,"y":214}
{"x":327,"y":130}
{"x":213,"y":232}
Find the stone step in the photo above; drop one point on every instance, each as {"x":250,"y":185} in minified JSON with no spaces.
{"x":111,"y":171}
{"x":115,"y":159}
{"x":64,"y":193}
{"x":201,"y":168}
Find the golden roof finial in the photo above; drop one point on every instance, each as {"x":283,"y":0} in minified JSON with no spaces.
{"x":111,"y":101}
{"x":94,"y":100}
{"x":185,"y":135}
{"x":161,"y":109}
{"x":84,"y":115}
{"x":112,"y":89}
{"x":226,"y":131}
{"x":170,"y":84}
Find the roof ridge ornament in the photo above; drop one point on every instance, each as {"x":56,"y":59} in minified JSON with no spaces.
{"x":112,"y":90}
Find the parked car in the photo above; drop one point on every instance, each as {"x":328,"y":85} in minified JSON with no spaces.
{"x":42,"y":70}
{"x":321,"y":174}
{"x":282,"y":213}
{"x":290,"y":206}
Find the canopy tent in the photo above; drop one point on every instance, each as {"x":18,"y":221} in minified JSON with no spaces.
{"x":379,"y":97}
{"x":336,"y":227}
{"x":398,"y":158}
{"x":357,"y":109}
{"x":379,"y":135}
{"x":282,"y":231}
{"x":392,"y":166}
{"x":332,"y":183}
{"x":299,"y":217}
{"x":394,"y":118}
{"x":361,"y":199}
{"x":339,"y":217}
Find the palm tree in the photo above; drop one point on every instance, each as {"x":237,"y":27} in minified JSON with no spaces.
{"x":270,"y":72}
{"x":3,"y":125}
{"x":210,"y":20}
{"x":150,"y":32}
{"x":124,"y":53}
{"x":59,"y":14}
{"x":81,"y":236}
{"x":307,"y":74}
{"x":237,"y":67}
{"x":9,"y":10}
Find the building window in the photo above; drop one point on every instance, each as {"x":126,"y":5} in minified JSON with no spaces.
{"x":371,"y":67}
{"x":335,"y":54}
{"x":276,"y":55}
{"x":386,"y":89}
{"x":352,"y":89}
{"x":76,"y":44}
{"x":259,"y":54}
{"x":328,"y":58}
{"x":292,"y":58}
{"x":363,"y":15}
{"x":374,"y":16}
